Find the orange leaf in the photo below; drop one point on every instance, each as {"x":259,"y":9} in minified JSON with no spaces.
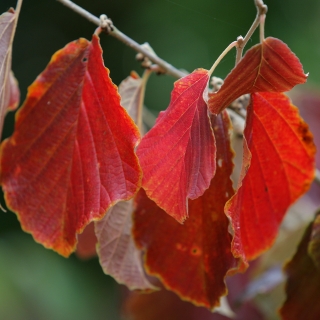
{"x":72,"y":153}
{"x":278,"y":167}
{"x":192,"y":259}
{"x":177,"y":154}
{"x":266,"y":67}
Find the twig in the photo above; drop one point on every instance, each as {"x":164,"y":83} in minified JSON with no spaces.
{"x":230,"y":46}
{"x":261,"y":10}
{"x":239,"y":44}
{"x":317,"y":177}
{"x":18,"y":7}
{"x":126,"y":40}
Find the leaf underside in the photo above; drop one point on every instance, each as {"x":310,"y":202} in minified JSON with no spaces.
{"x":116,"y":249}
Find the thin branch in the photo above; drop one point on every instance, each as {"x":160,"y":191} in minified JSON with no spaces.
{"x":317,"y":177}
{"x":126,"y":40}
{"x":230,"y":46}
{"x":18,"y":7}
{"x":262,"y":22}
{"x":239,"y":44}
{"x":261,"y":10}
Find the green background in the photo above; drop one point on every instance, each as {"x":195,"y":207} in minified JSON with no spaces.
{"x":36,"y":283}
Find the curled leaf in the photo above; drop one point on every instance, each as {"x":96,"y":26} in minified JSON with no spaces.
{"x":267,"y":67}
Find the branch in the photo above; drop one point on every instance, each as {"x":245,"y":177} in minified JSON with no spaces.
{"x":261,"y":13}
{"x":168,"y":68}
{"x":317,"y":177}
{"x":114,"y":32}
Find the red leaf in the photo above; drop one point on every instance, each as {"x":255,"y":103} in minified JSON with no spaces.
{"x":281,"y":170}
{"x":192,"y":259}
{"x":72,"y":153}
{"x":162,"y":305}
{"x":87,"y":240}
{"x":303,"y":284}
{"x":177,"y":154}
{"x":266,"y":67}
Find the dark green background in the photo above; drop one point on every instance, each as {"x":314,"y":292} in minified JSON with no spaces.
{"x":36,"y":283}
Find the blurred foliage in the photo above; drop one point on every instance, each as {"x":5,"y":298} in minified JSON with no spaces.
{"x":38,"y":284}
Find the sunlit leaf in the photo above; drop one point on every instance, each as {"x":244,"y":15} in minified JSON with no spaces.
{"x":9,"y":91}
{"x":303,"y":284}
{"x":192,"y":259}
{"x":72,"y":153}
{"x":278,"y":167}
{"x":177,"y":154}
{"x":266,"y":67}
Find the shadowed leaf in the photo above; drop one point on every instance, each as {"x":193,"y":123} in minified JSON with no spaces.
{"x":87,"y":241}
{"x":117,"y":252}
{"x":303,"y":284}
{"x":192,"y":259}
{"x":177,"y":154}
{"x":132,"y":91}
{"x":72,"y":153}
{"x":266,"y":67}
{"x":314,"y":244}
{"x":277,"y":168}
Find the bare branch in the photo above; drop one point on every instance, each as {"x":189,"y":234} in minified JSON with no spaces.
{"x":317,"y":177}
{"x":114,"y":32}
{"x":261,"y":10}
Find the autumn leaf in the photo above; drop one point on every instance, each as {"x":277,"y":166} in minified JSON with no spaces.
{"x":9,"y":91}
{"x":72,"y":153}
{"x":116,"y":249}
{"x":132,"y":91}
{"x":277,"y":168}
{"x":199,"y":250}
{"x":87,"y":241}
{"x":303,"y":284}
{"x":177,"y":154}
{"x":161,"y":305}
{"x":267,"y":67}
